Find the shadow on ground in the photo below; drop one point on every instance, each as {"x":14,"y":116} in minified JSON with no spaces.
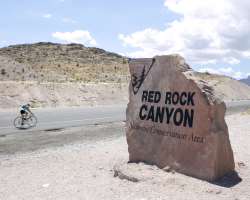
{"x":229,"y":180}
{"x":40,"y":139}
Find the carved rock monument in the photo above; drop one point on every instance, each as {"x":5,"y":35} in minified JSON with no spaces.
{"x":175,"y":120}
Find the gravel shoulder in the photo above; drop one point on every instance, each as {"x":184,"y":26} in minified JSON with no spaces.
{"x":84,"y":169}
{"x":33,"y":140}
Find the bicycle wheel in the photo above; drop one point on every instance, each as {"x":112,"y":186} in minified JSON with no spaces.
{"x":32,"y":120}
{"x":18,"y":122}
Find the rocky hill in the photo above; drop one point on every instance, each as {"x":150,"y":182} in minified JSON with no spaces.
{"x":225,"y":87}
{"x":49,"y":74}
{"x":50,"y":62}
{"x":246,"y":80}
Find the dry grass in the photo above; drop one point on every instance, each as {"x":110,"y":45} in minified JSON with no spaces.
{"x":49,"y":62}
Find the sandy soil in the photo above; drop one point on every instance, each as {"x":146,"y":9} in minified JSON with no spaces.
{"x":86,"y":171}
{"x":48,"y":94}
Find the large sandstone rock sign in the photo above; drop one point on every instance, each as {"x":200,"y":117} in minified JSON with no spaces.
{"x":175,"y":120}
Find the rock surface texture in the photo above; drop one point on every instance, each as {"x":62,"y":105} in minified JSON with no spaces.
{"x":175,"y":119}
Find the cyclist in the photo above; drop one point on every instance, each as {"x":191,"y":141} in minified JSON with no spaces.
{"x":25,"y":111}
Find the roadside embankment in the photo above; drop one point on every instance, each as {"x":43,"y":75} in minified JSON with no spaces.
{"x":50,"y":94}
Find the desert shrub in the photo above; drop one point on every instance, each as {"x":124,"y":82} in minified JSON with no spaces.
{"x":3,"y":72}
{"x":19,"y":60}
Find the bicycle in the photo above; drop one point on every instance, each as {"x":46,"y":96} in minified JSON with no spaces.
{"x":25,"y":122}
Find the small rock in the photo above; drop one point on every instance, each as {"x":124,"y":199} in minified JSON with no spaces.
{"x":46,"y":185}
{"x":118,"y":173}
{"x":218,"y":192}
{"x":167,"y":169}
{"x":241,"y":164}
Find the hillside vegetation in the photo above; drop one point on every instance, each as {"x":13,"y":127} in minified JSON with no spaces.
{"x":50,"y":62}
{"x":49,"y":74}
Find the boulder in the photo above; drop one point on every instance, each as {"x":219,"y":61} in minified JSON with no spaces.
{"x":176,"y":120}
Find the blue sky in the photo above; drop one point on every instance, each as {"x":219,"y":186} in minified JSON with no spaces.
{"x":216,"y":41}
{"x":26,"y":21}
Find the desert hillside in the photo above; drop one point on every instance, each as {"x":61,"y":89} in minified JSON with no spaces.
{"x":49,"y":74}
{"x":226,"y":87}
{"x":49,"y":94}
{"x":50,"y":62}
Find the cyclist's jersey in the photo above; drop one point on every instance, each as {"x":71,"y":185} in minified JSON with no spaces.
{"x":25,"y":108}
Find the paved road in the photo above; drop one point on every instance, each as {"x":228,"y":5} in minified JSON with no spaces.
{"x":69,"y":117}
{"x":237,"y":106}
{"x":65,"y":117}
{"x":45,"y":134}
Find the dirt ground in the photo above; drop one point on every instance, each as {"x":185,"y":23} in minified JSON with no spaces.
{"x":85,"y":170}
{"x":47,"y":94}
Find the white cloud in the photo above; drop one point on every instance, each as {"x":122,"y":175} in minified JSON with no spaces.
{"x":69,"y":20}
{"x":78,"y":36}
{"x":246,"y":54}
{"x":3,"y":43}
{"x":47,"y":15}
{"x":231,"y":60}
{"x":223,"y":71}
{"x":206,"y":32}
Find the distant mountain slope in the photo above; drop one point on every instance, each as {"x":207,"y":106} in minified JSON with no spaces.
{"x":246,"y":80}
{"x":60,"y":63}
{"x":226,"y":87}
{"x":48,"y":74}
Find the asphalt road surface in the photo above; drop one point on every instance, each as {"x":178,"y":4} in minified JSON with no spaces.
{"x":60,"y":126}
{"x":56,"y":118}
{"x":237,"y":106}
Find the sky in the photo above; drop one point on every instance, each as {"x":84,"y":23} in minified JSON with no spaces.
{"x":211,"y":35}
